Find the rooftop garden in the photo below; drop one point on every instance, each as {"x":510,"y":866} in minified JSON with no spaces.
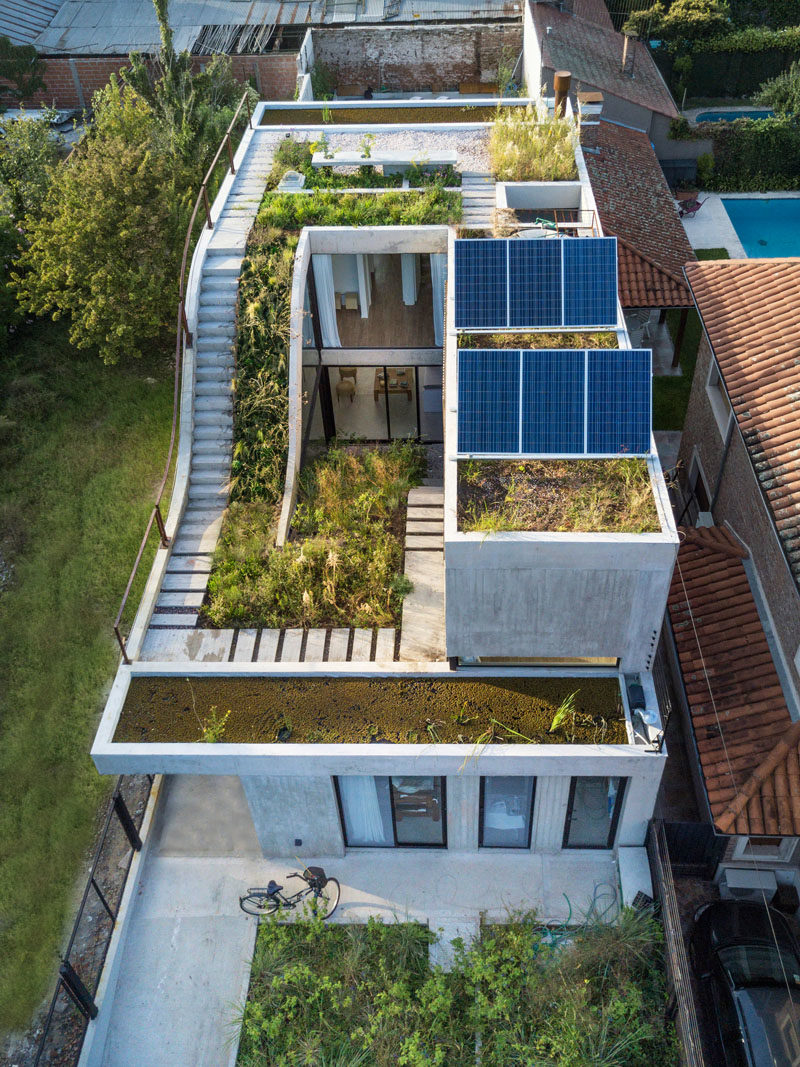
{"x":527,"y":144}
{"x":344,"y":563}
{"x":555,"y":341}
{"x":560,"y":495}
{"x":338,"y":710}
{"x":522,"y":993}
{"x":297,"y":155}
{"x":376,"y":116}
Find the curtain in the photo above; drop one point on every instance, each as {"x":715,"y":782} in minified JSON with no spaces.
{"x":409,"y":270}
{"x":364,"y":284}
{"x":361,"y":809}
{"x":326,"y":300}
{"x":308,"y":330}
{"x":438,"y":278}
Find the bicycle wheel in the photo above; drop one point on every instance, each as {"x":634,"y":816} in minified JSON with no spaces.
{"x":323,"y":904}
{"x":258,"y":903}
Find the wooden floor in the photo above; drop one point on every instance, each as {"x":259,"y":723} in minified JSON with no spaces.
{"x":391,"y":324}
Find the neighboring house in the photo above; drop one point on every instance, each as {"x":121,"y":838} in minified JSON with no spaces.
{"x":739,"y":452}
{"x":739,"y":725}
{"x":635,"y":204}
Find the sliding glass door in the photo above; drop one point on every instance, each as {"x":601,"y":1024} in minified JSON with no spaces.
{"x":380,"y":812}
{"x":506,"y":812}
{"x":593,"y":812}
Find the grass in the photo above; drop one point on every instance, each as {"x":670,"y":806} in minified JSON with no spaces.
{"x":365,"y":995}
{"x":538,"y":340}
{"x":361,"y":710}
{"x":343,"y":566}
{"x":526,"y":145}
{"x":290,"y":212}
{"x":560,"y":495}
{"x":81,"y":451}
{"x":671,"y":393}
{"x":297,"y":155}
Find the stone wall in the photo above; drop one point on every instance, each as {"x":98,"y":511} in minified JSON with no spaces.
{"x":70,"y":81}
{"x":427,"y":57}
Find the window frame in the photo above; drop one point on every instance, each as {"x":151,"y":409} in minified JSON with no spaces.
{"x":514,"y":848}
{"x":622,"y":793}
{"x":395,"y":843}
{"x":718,"y":398}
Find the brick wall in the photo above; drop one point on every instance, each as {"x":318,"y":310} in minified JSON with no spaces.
{"x":425,"y":57}
{"x":741,"y":504}
{"x":71,"y":81}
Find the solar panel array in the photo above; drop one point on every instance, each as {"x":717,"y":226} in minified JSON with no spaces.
{"x":545,"y":402}
{"x":540,"y":284}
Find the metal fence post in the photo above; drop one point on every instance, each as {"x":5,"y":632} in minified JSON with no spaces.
{"x":77,"y":990}
{"x":128,"y":825}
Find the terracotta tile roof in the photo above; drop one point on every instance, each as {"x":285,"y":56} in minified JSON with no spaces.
{"x":635,"y":204}
{"x":717,"y":626}
{"x":751,"y":312}
{"x":593,"y":53}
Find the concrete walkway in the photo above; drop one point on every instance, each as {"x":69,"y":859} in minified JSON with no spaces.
{"x":422,"y":634}
{"x":712,"y":228}
{"x":477,"y":199}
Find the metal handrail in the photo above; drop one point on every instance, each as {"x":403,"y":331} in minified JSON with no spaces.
{"x":183,"y":340}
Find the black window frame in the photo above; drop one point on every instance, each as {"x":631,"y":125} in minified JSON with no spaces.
{"x":615,"y":815}
{"x":515,"y":848}
{"x":395,"y":843}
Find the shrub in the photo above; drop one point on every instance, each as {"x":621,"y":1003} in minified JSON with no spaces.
{"x":293,"y":211}
{"x":528,"y":145}
{"x":705,"y":170}
{"x":782,"y":93}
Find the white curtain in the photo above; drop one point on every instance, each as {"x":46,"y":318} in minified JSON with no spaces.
{"x":364,"y":285}
{"x":438,"y":279}
{"x":326,"y":300}
{"x":409,"y":270}
{"x":308,"y":330}
{"x":362,"y":811}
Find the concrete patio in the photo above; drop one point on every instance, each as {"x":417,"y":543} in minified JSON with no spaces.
{"x":186,"y":951}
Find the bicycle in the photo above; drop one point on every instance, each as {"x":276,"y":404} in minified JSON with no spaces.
{"x":324,"y":892}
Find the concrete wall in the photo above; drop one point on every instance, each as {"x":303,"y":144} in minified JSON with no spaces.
{"x":70,"y":81}
{"x":742,"y":506}
{"x":287,"y":809}
{"x":425,"y":57}
{"x":532,"y":54}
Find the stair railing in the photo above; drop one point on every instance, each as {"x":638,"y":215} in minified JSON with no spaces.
{"x":183,"y":340}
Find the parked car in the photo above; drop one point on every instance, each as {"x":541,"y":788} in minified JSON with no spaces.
{"x":747,"y":962}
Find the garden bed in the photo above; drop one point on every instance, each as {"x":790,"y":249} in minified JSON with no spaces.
{"x":336,"y":710}
{"x":579,"y":495}
{"x":541,"y":341}
{"x":297,"y":155}
{"x":521,"y":994}
{"x":378,"y":116}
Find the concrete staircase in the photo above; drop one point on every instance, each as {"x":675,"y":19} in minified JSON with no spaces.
{"x":184,"y":587}
{"x":477,"y":199}
{"x":422,"y":633}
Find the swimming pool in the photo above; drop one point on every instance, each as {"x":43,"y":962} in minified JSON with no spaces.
{"x":766,"y":228}
{"x":729,"y":116}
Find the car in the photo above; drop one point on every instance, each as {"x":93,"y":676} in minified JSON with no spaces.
{"x":747,"y":963}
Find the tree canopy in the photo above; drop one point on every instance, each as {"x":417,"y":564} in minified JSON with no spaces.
{"x":684,"y":20}
{"x":782,"y":93}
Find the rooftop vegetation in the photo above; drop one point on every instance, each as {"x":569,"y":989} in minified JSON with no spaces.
{"x":522,"y":994}
{"x":579,"y":495}
{"x":538,"y":340}
{"x":376,"y":116}
{"x":360,"y":710}
{"x":293,"y":211}
{"x":297,"y":155}
{"x":529,"y":145}
{"x":343,"y":565}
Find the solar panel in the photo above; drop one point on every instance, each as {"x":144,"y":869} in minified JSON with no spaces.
{"x":552,"y":402}
{"x":534,"y":292}
{"x":619,"y":402}
{"x":536,"y":284}
{"x":488,"y":401}
{"x":590,"y":281}
{"x":545,"y":402}
{"x":481,"y":288}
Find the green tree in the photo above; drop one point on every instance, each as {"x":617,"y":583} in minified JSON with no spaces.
{"x":103,"y":250}
{"x":684,"y":21}
{"x":22,"y":67}
{"x":28,"y":154}
{"x":782,"y":93}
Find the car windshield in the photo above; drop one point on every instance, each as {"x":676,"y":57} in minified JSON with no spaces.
{"x":758,"y":965}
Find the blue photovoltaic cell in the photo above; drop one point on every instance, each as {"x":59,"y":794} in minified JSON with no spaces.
{"x":619,"y":402}
{"x":534,"y":281}
{"x":488,"y":401}
{"x":590,"y":281}
{"x":552,"y":402}
{"x":481,"y":284}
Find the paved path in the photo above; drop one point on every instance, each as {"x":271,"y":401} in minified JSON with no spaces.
{"x":422,"y":635}
{"x":477,"y":199}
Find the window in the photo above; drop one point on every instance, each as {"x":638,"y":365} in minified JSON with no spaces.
{"x":764,"y":848}
{"x":718,"y":398}
{"x":381,"y":812}
{"x":506,"y":812}
{"x":593,"y":812}
{"x":698,"y":493}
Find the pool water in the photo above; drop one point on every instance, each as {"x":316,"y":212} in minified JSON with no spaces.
{"x":729,"y":116}
{"x":766,"y":228}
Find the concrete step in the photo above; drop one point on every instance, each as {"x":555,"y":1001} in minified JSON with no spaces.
{"x":216,"y":329}
{"x":205,"y":438}
{"x":189,"y":565}
{"x":362,"y":646}
{"x":202,"y":496}
{"x":245,"y":646}
{"x":172,"y":619}
{"x":213,"y":346}
{"x":222,"y":264}
{"x":423,"y":526}
{"x":216,"y":387}
{"x":420,"y":513}
{"x":384,"y":646}
{"x":192,"y":541}
{"x":424,"y":543}
{"x":216,"y":315}
{"x":212,"y":373}
{"x":186,"y":599}
{"x":185,"y":582}
{"x":425,"y":496}
{"x":208,"y":479}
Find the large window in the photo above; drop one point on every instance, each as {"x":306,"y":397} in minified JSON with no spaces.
{"x":506,"y":812}
{"x":593,"y":812}
{"x":380,"y":812}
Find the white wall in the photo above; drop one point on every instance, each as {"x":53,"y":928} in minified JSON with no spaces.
{"x":287,"y":809}
{"x":531,"y":53}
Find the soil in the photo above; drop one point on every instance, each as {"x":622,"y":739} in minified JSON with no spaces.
{"x":538,"y":341}
{"x":358,"y":710}
{"x":605,"y":495}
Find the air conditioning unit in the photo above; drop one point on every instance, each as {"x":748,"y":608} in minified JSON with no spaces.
{"x":741,"y":883}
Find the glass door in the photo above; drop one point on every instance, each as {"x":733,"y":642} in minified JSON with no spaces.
{"x":506,"y":812}
{"x":380,"y":812}
{"x":419,"y":810}
{"x":593,"y":812}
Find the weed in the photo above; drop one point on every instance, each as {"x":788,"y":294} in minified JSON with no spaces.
{"x":528,"y":144}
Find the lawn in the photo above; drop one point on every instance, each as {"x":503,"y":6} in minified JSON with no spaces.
{"x":81,"y":451}
{"x":671,"y":394}
{"x":365,"y":995}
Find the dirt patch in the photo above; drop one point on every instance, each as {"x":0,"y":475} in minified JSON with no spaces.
{"x":405,"y":116}
{"x":605,"y":495}
{"x":356,"y":710}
